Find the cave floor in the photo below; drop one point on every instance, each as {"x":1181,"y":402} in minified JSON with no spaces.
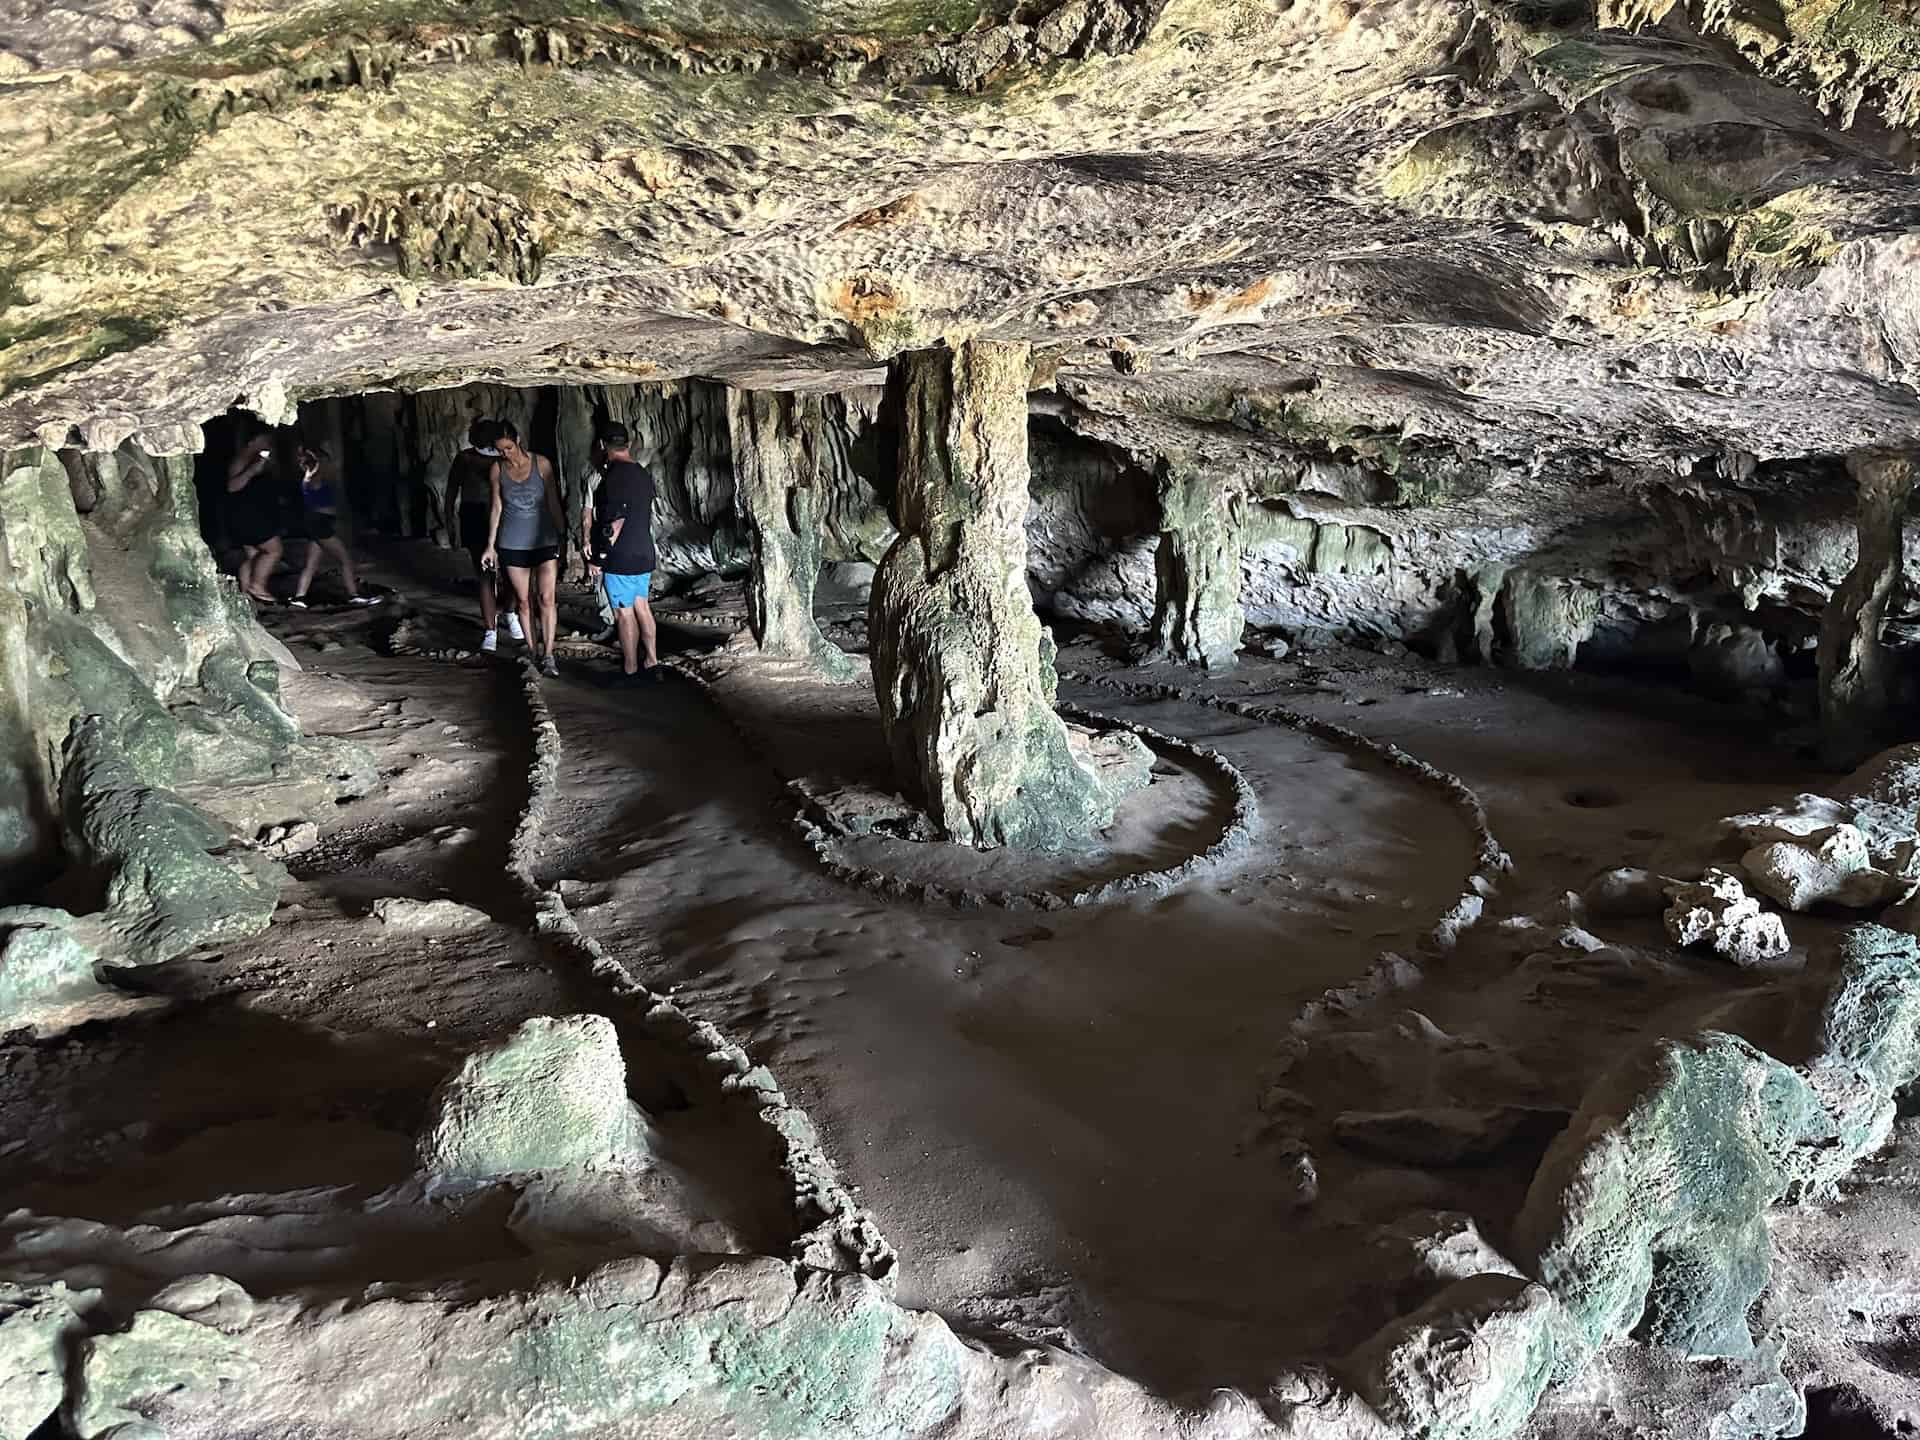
{"x":1065,"y":1120}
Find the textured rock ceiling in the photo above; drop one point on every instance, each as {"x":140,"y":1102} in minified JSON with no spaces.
{"x":1505,"y":227}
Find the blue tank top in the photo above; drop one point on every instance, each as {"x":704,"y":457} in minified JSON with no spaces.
{"x":525,"y":523}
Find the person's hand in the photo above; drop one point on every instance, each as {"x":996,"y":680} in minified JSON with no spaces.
{"x":488,"y":559}
{"x":593,"y":572}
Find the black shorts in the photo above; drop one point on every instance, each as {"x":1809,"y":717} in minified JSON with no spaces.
{"x":475,"y":519}
{"x":528,"y":559}
{"x":252,"y":525}
{"x":322,"y":525}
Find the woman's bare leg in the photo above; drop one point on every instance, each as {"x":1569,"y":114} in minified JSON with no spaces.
{"x":547,"y":580}
{"x":256,"y":573}
{"x":308,"y":570}
{"x":521,"y":579}
{"x":337,"y":548}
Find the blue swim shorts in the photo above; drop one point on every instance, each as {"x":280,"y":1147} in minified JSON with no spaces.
{"x":623,"y":590}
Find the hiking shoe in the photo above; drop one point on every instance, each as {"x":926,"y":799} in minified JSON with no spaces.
{"x":550,"y":668}
{"x":489,"y":642}
{"x":298,"y":602}
{"x":367,"y":600}
{"x":514,"y":632}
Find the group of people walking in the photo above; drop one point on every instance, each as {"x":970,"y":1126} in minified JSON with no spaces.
{"x":254,"y":520}
{"x":505,"y":504}
{"x":511,"y":520}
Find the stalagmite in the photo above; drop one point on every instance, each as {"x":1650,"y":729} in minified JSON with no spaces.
{"x":1853,"y":663}
{"x":962,"y":667}
{"x":1197,"y":617}
{"x":777,"y":485}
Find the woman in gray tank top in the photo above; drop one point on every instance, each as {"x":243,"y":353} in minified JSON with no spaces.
{"x":524,"y":537}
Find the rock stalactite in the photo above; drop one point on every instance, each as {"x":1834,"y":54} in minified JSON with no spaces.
{"x":1853,"y":663}
{"x":777,"y":485}
{"x":1197,"y":616}
{"x":962,"y":666}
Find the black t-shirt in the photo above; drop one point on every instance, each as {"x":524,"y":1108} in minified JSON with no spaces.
{"x":471,"y":478}
{"x":626,"y":494}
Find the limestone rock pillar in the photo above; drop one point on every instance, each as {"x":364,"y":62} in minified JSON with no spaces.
{"x":777,"y":486}
{"x":1197,"y":617}
{"x":1853,"y":664}
{"x":961,"y":664}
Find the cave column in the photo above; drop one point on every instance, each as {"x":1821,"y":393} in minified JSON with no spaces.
{"x":776,"y":439}
{"x":1197,"y":617}
{"x":961,"y":664}
{"x":1853,"y":664}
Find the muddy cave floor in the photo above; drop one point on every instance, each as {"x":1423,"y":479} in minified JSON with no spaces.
{"x":1074,"y":1125}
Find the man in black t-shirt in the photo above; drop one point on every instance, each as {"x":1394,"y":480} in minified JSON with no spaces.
{"x":623,"y":550}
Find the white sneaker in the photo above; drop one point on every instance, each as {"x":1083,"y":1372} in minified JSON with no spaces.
{"x":514,"y":632}
{"x":489,"y":642}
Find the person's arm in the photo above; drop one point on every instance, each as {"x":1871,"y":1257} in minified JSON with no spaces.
{"x":491,"y":556}
{"x":241,"y":471}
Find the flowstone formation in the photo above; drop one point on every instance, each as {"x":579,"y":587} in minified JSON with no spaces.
{"x":144,"y":741}
{"x":962,"y":667}
{"x":782,"y":495}
{"x":1854,"y":698}
{"x":1197,"y":616}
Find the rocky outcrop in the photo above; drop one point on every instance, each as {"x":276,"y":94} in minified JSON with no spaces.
{"x":120,"y":613}
{"x":962,"y":667}
{"x":779,"y":484}
{"x":1648,"y":1213}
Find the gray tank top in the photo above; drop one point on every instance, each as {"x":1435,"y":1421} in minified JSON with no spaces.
{"x":525,"y":523}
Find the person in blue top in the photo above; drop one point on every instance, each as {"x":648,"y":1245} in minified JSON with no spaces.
{"x":319,"y":496}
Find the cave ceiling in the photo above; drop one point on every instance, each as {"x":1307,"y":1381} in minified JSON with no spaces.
{"x":1529,"y":231}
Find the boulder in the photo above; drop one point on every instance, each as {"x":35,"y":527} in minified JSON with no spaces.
{"x":551,"y":1096}
{"x":43,"y":961}
{"x":1826,"y":865}
{"x":283,"y":842}
{"x":158,"y":1355}
{"x":1718,"y":912}
{"x":1470,"y":1364}
{"x":1445,"y":1245}
{"x":37,"y":1323}
{"x":397,"y":913}
{"x":1625,"y":893}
